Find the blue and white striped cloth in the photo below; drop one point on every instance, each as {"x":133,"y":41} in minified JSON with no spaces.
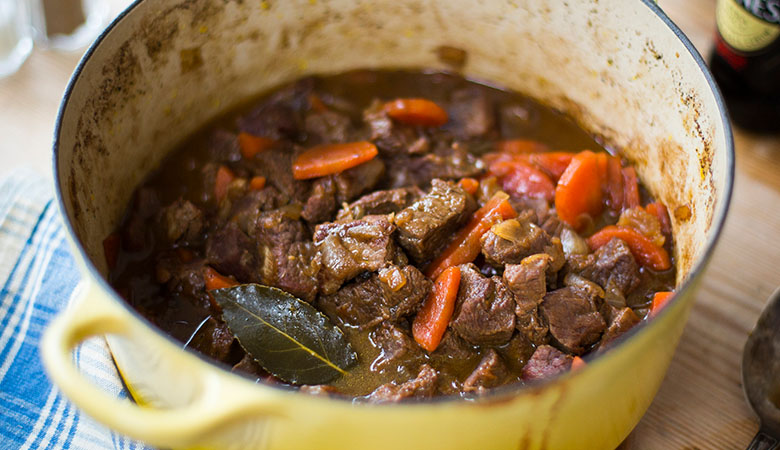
{"x":38,"y":276}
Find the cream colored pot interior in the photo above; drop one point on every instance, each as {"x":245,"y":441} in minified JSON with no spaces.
{"x":611,"y":64}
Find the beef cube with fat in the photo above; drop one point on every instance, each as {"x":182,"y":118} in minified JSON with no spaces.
{"x":391,"y":293}
{"x":398,"y":351}
{"x":182,"y":220}
{"x":428,"y":224}
{"x":289,"y":261}
{"x":620,"y":321}
{"x":484,"y":309}
{"x":546,"y":362}
{"x":510,"y":241}
{"x":423,"y":386}
{"x":351,"y":248}
{"x":471,"y":114}
{"x":574,"y":321}
{"x":380,"y":202}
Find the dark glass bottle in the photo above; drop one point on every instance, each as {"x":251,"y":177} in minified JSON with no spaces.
{"x":746,"y":62}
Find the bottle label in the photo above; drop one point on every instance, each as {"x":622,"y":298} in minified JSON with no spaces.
{"x":748,"y":25}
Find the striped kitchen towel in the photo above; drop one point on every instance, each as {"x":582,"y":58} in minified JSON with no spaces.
{"x":38,"y":276}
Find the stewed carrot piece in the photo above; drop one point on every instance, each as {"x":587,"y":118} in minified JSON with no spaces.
{"x":251,"y":145}
{"x":431,"y":322}
{"x":416,"y":111}
{"x":222,"y":181}
{"x":579,"y":190}
{"x":331,"y":159}
{"x":644,"y":250}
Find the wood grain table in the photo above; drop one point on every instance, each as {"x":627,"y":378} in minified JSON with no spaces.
{"x":700,"y":404}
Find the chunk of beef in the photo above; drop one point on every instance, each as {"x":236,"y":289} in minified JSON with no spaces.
{"x":546,"y":362}
{"x":573,"y":319}
{"x":350,"y":248}
{"x":426,"y":225}
{"x":471,"y":114}
{"x":391,"y":138}
{"x":223,"y":146}
{"x":528,"y":279}
{"x":490,"y":372}
{"x":214,"y":339}
{"x":611,"y":265}
{"x":517,"y":352}
{"x":398,"y":351}
{"x":423,"y":386}
{"x":391,"y":293}
{"x":321,"y":204}
{"x":510,"y":241}
{"x":231,"y":252}
{"x":182,"y":220}
{"x":279,"y":116}
{"x":552,"y":225}
{"x":289,"y":262}
{"x":182,"y":277}
{"x":380,"y":202}
{"x":353,"y":182}
{"x":484,"y":309}
{"x":327,"y":127}
{"x":453,"y":347}
{"x":246,"y":210}
{"x":620,"y":321}
{"x":275,"y":165}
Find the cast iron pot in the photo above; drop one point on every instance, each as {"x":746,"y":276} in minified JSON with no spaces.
{"x":166,"y":67}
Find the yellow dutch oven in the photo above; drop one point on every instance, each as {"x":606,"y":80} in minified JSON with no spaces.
{"x":166,"y":67}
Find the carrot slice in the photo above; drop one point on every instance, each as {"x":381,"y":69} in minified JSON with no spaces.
{"x":215,"y":280}
{"x":524,"y":180}
{"x":257,"y":183}
{"x":552,"y":163}
{"x":614,"y":184}
{"x":659,"y":210}
{"x":111,"y":249}
{"x":579,"y":190}
{"x":659,"y":300}
{"x":333,"y":158}
{"x":222,"y":181}
{"x":416,"y":111}
{"x":644,"y":250}
{"x":469,"y":185}
{"x":252,"y":145}
{"x":577,"y":363}
{"x":520,"y":146}
{"x":466,"y":246}
{"x":631,"y":189}
{"x":431,"y":322}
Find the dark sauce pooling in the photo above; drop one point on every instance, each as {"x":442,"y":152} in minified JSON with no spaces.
{"x":357,"y":244}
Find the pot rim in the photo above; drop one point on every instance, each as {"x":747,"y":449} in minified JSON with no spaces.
{"x":501,"y":391}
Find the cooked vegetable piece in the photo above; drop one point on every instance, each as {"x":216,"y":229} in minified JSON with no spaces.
{"x":643,"y":249}
{"x":466,"y":245}
{"x":520,"y":146}
{"x":332,"y":159}
{"x":524,"y":180}
{"x":431,"y":322}
{"x":111,"y":249}
{"x":552,"y":163}
{"x":659,"y":210}
{"x":469,"y":185}
{"x":631,"y":189}
{"x":252,"y":145}
{"x":288,"y":337}
{"x":659,"y":300}
{"x":579,"y":190}
{"x":416,"y":111}
{"x":215,"y":280}
{"x":222,"y":181}
{"x":643,"y":222}
{"x":577,"y":363}
{"x":257,"y":183}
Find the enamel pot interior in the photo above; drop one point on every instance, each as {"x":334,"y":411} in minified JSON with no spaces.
{"x":619,"y":68}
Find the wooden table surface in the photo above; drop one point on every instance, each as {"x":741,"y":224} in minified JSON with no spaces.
{"x":700,"y":404}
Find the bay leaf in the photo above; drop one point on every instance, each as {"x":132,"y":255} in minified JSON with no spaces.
{"x":288,"y":337}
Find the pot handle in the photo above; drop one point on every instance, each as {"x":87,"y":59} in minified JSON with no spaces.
{"x":218,"y":403}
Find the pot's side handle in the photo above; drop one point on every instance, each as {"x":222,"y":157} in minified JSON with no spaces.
{"x":217,"y":405}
